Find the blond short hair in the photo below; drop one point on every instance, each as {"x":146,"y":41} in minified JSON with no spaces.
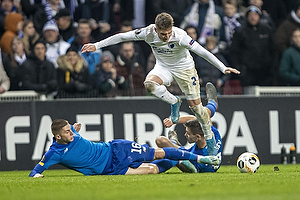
{"x":164,"y":21}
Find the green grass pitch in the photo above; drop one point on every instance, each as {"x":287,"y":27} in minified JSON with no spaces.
{"x":227,"y":183}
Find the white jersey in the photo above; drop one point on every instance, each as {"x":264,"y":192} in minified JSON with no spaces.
{"x":174,"y":54}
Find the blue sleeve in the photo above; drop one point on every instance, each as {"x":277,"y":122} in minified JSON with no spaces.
{"x":50,"y":158}
{"x":73,"y":129}
{"x":38,"y":169}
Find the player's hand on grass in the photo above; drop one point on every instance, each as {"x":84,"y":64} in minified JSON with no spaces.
{"x":168,"y":123}
{"x":88,"y":48}
{"x":77,"y":126}
{"x":38,"y":176}
{"x":229,"y":70}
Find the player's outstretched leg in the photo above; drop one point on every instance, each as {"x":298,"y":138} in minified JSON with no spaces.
{"x":212,"y":99}
{"x":187,"y":166}
{"x":175,"y":109}
{"x":178,"y":154}
{"x":211,"y":95}
{"x":203,"y":117}
{"x":161,"y":92}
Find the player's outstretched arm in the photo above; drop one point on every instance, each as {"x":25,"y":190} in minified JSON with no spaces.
{"x":37,"y":171}
{"x":168,"y":123}
{"x":114,"y":39}
{"x":88,"y":48}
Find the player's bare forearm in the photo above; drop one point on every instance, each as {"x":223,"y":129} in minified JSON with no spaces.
{"x":183,"y":119}
{"x":229,"y":70}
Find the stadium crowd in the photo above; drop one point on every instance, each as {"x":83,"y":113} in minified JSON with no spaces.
{"x":40,"y":43}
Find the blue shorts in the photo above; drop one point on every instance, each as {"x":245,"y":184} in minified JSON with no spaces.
{"x":125,"y":154}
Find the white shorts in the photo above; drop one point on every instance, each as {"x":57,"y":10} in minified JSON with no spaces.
{"x":187,"y":80}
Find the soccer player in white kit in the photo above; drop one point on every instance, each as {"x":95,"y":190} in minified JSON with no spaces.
{"x":170,"y":46}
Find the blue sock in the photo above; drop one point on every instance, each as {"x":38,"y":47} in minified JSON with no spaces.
{"x":212,"y":106}
{"x":178,"y":154}
{"x":164,"y":164}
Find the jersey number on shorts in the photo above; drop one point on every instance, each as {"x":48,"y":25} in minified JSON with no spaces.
{"x":194,"y":80}
{"x":136,"y":148}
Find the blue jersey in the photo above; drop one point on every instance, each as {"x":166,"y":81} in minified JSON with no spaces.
{"x":92,"y":158}
{"x":194,"y":149}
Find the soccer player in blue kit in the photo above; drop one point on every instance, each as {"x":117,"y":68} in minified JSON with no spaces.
{"x":194,"y":134}
{"x":117,"y":157}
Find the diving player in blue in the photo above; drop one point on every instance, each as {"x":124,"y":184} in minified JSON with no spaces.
{"x":116,"y":157}
{"x":194,"y":134}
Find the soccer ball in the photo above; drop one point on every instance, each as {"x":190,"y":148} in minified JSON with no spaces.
{"x":248,"y":162}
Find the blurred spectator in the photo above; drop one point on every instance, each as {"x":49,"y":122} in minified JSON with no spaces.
{"x":46,"y":13}
{"x":128,"y":66}
{"x":65,"y":24}
{"x":231,"y":19}
{"x":72,"y":5}
{"x":265,"y":18}
{"x":29,"y":7}
{"x":30,"y":36}
{"x":290,"y":61}
{"x":283,"y":34}
{"x":56,"y":46}
{"x":13,"y":61}
{"x":73,"y":74}
{"x":6,"y":7}
{"x":122,"y":10}
{"x":193,"y":33}
{"x":13,"y":25}
{"x":4,"y":80}
{"x":252,"y":50}
{"x":208,"y":18}
{"x":176,"y":8}
{"x":277,"y":10}
{"x":97,"y":12}
{"x":82,"y":37}
{"x":289,"y":4}
{"x":106,"y":77}
{"x":38,"y":73}
{"x":151,"y":61}
{"x":139,"y":11}
{"x":206,"y":71}
{"x":142,"y":50}
{"x":125,"y":27}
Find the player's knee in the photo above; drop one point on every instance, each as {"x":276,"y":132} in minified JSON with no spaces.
{"x":159,"y":153}
{"x":160,"y":141}
{"x":150,"y":86}
{"x":153,"y":169}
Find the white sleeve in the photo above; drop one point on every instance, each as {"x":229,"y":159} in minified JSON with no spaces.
{"x":120,"y":37}
{"x":202,"y":52}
